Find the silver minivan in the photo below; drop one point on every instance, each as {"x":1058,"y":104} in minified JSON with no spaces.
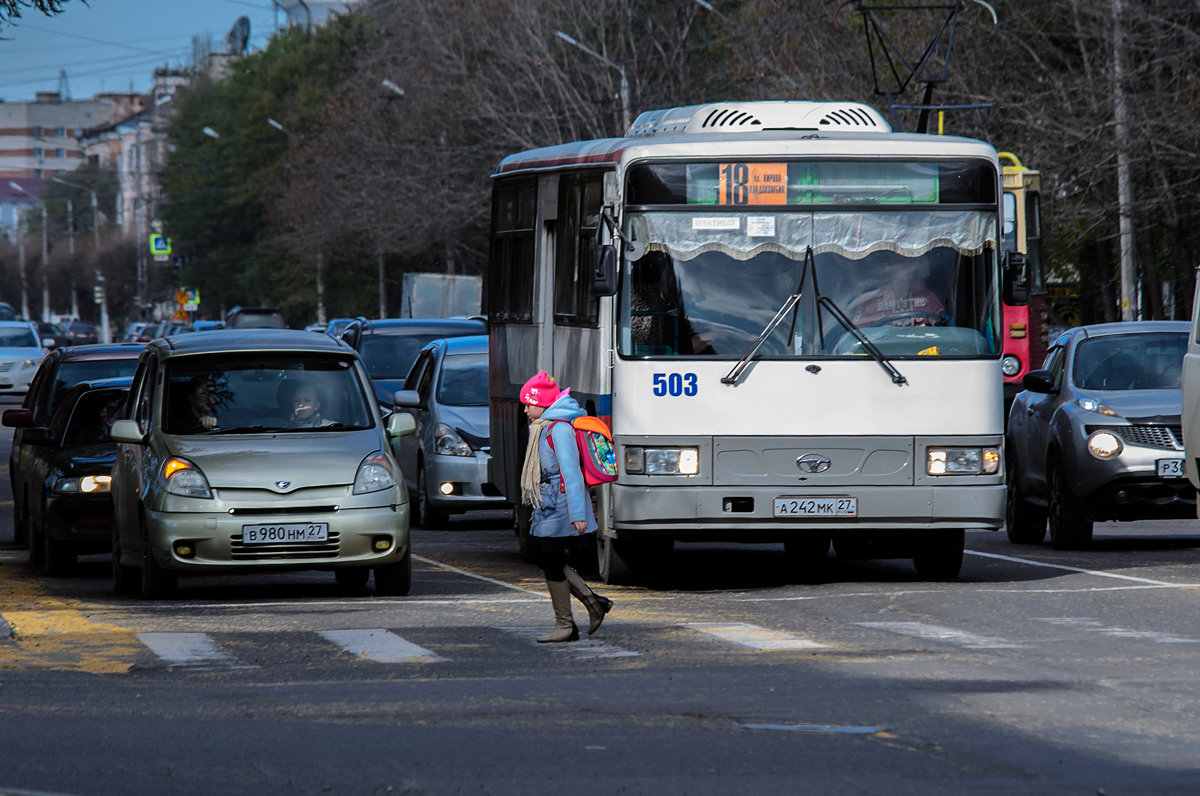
{"x":256,"y":450}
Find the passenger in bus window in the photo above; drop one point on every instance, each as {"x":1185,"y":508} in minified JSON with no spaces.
{"x":552,"y":483}
{"x":901,"y":299}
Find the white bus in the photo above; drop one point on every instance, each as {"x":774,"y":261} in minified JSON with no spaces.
{"x":789,"y":315}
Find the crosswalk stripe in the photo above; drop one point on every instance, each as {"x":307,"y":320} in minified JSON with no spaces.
{"x":1095,"y":626}
{"x":754,"y":637}
{"x":190,"y":651}
{"x":379,"y":645}
{"x":939,"y":633}
{"x":585,"y":648}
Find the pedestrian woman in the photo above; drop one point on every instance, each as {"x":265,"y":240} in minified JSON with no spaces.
{"x":552,"y":483}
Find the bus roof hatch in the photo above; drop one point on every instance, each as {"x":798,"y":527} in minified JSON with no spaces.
{"x":741,"y":117}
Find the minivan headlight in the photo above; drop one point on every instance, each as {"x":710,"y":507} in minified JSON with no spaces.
{"x":374,"y":474}
{"x":447,"y":442}
{"x":185,"y":479}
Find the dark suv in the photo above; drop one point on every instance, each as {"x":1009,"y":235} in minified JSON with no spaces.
{"x":389,"y":347}
{"x":60,"y":370}
{"x":255,"y":318}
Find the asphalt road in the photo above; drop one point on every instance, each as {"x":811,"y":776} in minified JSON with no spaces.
{"x":1037,"y":671}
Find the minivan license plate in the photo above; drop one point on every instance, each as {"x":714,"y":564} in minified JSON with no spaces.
{"x":816,"y":507}
{"x":1170,"y":468}
{"x":285,"y":532}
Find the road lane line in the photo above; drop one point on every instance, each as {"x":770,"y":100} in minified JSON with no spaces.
{"x":1097,"y":573}
{"x":484,"y":578}
{"x":379,"y":645}
{"x":1095,"y":626}
{"x":753,"y":636}
{"x":939,"y":633}
{"x":195,"y":651}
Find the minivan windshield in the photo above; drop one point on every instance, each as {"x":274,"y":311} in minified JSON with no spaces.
{"x":464,"y":380}
{"x":227,"y":393}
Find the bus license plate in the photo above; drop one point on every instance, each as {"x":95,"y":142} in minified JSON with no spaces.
{"x":285,"y":532}
{"x":816,"y":507}
{"x":1170,"y":468}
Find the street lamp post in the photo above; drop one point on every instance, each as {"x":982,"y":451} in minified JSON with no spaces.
{"x":105,"y":334}
{"x":45,"y":249}
{"x":620,"y":69}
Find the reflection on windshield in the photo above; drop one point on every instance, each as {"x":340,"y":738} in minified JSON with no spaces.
{"x":230,"y":394}
{"x":391,"y":356}
{"x":713,"y":297}
{"x":1131,"y":361}
{"x":464,"y":380}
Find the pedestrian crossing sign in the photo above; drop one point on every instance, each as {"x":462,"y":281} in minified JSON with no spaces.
{"x":160,"y":247}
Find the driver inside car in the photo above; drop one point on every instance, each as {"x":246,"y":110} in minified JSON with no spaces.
{"x":901,"y":299}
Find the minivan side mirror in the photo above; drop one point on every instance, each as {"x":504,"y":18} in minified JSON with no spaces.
{"x":407,"y":399}
{"x":1039,"y":381}
{"x":127,"y":431}
{"x":400,"y":424}
{"x":1015,"y":279}
{"x":604,"y":270}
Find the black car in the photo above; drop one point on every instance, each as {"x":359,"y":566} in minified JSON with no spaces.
{"x":80,"y":333}
{"x":68,"y":471}
{"x":52,"y":331}
{"x":61,"y":369}
{"x":389,"y":346}
{"x":255,"y":318}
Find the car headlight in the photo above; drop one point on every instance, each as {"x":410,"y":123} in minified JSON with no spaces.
{"x":86,"y":485}
{"x":1010,"y":365}
{"x":447,"y":442}
{"x":1092,"y":405}
{"x":962,"y":461}
{"x":662,"y":461}
{"x":29,"y":363}
{"x":185,"y":479}
{"x":374,"y":474}
{"x":1105,"y":445}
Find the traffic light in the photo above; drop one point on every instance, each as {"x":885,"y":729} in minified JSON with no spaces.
{"x":98,"y":294}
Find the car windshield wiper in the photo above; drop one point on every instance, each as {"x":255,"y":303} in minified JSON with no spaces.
{"x":246,"y":429}
{"x":788,"y":305}
{"x":871,"y":348}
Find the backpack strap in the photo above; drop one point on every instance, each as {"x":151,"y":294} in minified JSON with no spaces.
{"x":562,"y":483}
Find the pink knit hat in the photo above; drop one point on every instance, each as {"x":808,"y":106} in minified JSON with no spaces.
{"x":540,"y":390}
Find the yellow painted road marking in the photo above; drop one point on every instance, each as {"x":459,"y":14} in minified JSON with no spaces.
{"x":54,"y":633}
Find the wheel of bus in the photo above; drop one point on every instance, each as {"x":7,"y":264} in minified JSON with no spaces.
{"x":808,"y":554}
{"x":940,"y":555}
{"x":1024,"y":522}
{"x":430,"y":518}
{"x":611,"y":566}
{"x":1068,"y":531}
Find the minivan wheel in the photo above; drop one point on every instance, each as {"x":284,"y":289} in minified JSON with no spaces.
{"x":124,"y":579}
{"x":431,"y":518}
{"x":156,"y":581}
{"x":395,"y":580}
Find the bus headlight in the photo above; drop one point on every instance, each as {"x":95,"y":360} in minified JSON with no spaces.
{"x":662,"y":461}
{"x":1010,"y":365}
{"x":962,"y":461}
{"x":1105,"y":445}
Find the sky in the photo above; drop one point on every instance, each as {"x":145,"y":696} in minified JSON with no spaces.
{"x":114,"y":45}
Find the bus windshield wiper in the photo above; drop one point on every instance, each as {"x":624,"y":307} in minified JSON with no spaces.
{"x":871,"y":348}
{"x":788,"y":305}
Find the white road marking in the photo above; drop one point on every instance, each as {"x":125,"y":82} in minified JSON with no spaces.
{"x":754,"y":637}
{"x":379,"y":645}
{"x":190,"y":651}
{"x":939,"y":633}
{"x":584,"y":649}
{"x":485,"y":579}
{"x":1095,"y":626}
{"x":1097,"y":573}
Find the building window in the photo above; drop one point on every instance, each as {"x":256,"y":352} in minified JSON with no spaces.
{"x":37,"y":152}
{"x":37,"y":131}
{"x":60,"y":132}
{"x":60,"y":153}
{"x":37,"y":173}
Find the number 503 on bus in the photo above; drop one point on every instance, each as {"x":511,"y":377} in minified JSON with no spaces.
{"x":675,"y":384}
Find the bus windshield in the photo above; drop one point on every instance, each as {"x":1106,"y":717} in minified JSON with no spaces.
{"x":918,"y":282}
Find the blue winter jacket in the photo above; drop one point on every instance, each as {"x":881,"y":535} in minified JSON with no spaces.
{"x":560,"y":508}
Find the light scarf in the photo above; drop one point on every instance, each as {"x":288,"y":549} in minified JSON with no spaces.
{"x":531,"y":473}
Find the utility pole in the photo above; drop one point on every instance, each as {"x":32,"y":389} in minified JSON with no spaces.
{"x":1130,"y":308}
{"x":71,"y":249}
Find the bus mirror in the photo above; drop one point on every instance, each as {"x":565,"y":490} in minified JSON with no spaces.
{"x":1016,"y":279}
{"x":604,"y":270}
